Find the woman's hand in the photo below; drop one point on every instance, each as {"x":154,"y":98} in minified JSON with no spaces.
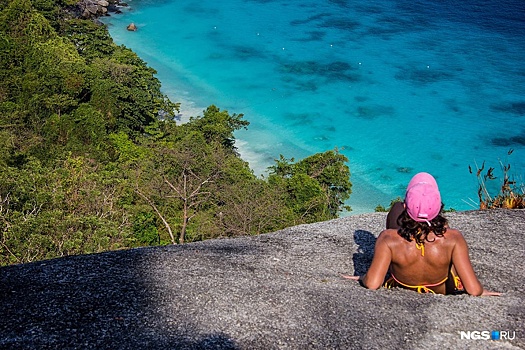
{"x":487,"y":293}
{"x":348,"y":277}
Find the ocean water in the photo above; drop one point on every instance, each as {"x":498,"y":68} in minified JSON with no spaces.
{"x":397,"y":86}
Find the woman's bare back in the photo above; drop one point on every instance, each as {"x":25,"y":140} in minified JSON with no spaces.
{"x":425,"y":264}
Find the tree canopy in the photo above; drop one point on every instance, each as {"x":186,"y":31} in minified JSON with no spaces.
{"x":91,"y":158}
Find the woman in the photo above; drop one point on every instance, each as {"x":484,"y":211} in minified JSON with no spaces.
{"x":423,"y":254}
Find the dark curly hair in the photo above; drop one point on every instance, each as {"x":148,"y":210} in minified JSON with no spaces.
{"x":411,"y":230}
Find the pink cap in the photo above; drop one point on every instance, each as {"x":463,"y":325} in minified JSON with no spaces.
{"x":422,"y":199}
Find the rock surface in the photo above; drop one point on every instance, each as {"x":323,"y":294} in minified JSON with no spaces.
{"x":92,"y":9}
{"x":274,"y":291}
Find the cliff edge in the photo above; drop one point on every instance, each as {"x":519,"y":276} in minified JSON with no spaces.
{"x":281,"y":290}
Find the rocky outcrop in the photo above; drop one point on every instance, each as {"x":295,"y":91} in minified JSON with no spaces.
{"x":281,"y":290}
{"x":91,"y":9}
{"x":132,"y":27}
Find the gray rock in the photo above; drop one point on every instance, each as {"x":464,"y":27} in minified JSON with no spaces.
{"x":281,"y":290}
{"x":92,"y":8}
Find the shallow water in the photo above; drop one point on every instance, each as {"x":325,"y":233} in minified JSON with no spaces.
{"x":397,"y":86}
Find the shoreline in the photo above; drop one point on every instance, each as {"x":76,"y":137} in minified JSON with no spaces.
{"x":258,"y":162}
{"x":372,"y":184}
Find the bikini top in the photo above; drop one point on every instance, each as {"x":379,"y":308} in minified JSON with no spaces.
{"x":424,"y":288}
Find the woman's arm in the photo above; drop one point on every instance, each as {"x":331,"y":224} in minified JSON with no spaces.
{"x":461,"y":261}
{"x":375,"y":276}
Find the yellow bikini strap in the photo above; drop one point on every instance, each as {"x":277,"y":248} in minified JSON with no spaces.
{"x":420,"y":289}
{"x":421,"y":246}
{"x":424,"y":289}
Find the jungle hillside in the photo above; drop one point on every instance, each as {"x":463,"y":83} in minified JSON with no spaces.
{"x":93,"y":159}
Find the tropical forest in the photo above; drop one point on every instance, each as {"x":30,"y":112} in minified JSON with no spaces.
{"x":93,"y":158}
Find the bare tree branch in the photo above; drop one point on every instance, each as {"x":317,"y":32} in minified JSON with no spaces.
{"x":150,"y":202}
{"x":189,"y":201}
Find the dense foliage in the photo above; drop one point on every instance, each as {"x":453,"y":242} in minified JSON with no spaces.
{"x":91,"y":158}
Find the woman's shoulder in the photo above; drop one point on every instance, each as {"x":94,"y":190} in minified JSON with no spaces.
{"x":452,"y":236}
{"x":388,"y":233}
{"x":389,"y":236}
{"x":453,"y":233}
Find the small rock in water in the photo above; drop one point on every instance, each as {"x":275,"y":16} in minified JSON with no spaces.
{"x":132,"y":27}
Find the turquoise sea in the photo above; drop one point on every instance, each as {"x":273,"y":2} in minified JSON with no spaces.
{"x":397,"y":86}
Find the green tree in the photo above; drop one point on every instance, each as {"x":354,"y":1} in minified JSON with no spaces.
{"x":183,"y":178}
{"x":218,"y":126}
{"x":125,"y":90}
{"x":316,"y":187}
{"x":90,"y":39}
{"x":69,"y":208}
{"x":380,"y":208}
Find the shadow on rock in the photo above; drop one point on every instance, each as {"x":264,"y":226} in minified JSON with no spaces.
{"x":365,"y":251}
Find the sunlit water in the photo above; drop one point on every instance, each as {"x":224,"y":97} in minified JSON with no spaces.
{"x":397,"y":86}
